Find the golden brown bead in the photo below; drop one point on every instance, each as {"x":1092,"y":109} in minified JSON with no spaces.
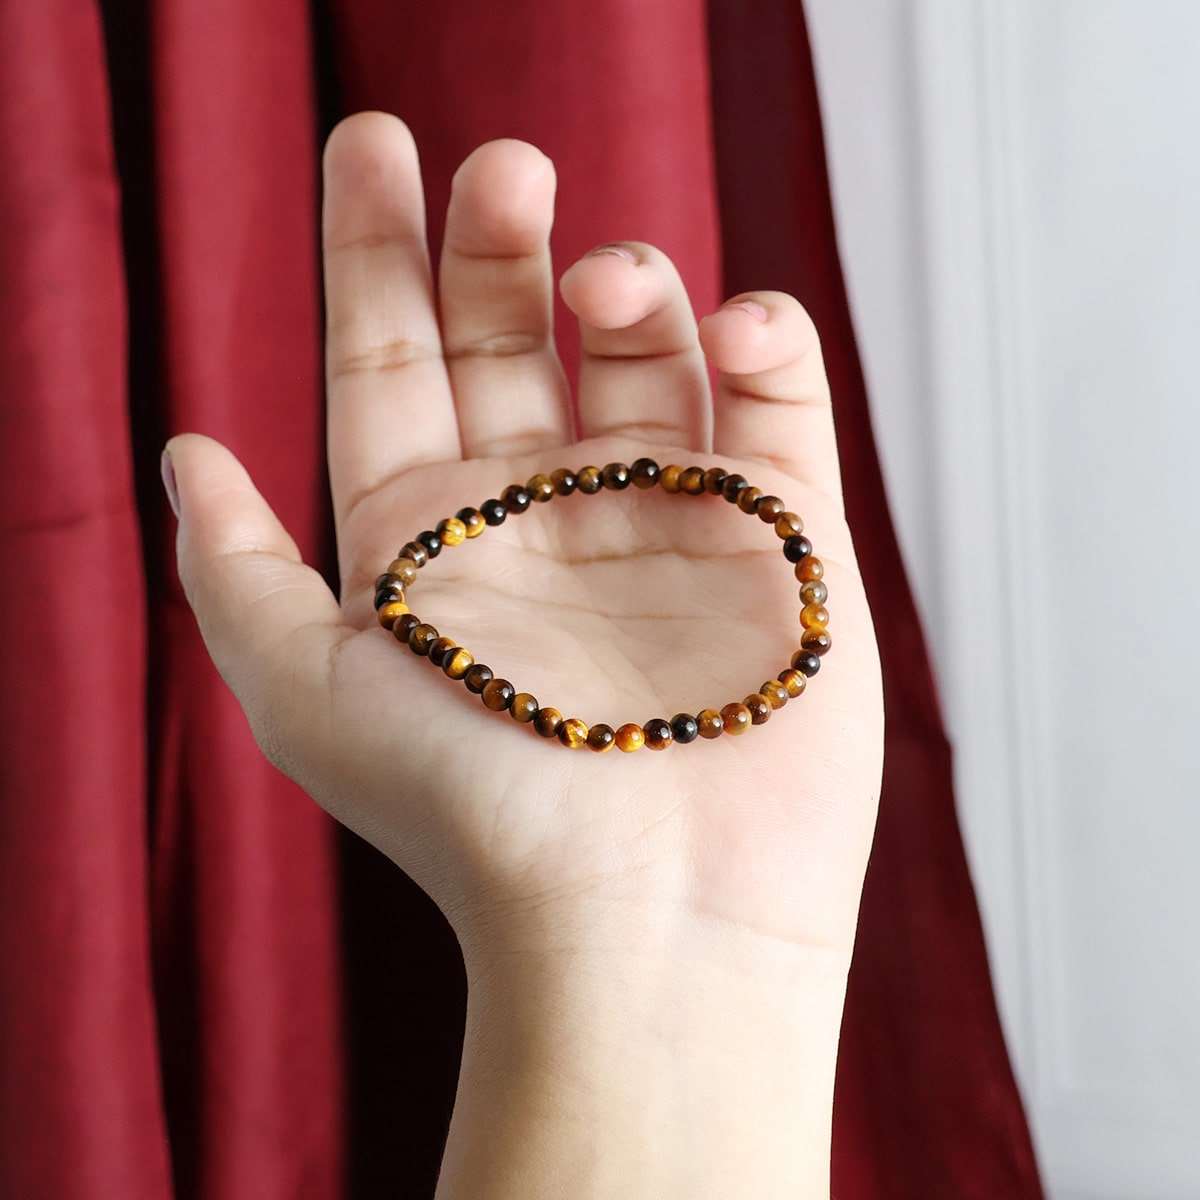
{"x":440,"y":648}
{"x":691,"y":481}
{"x":478,"y":677}
{"x":472,"y":520}
{"x":458,"y":662}
{"x":668,"y":478}
{"x":590,"y":483}
{"x":547,"y":721}
{"x":615,"y":477}
{"x":416,"y":552}
{"x":644,"y":473}
{"x":403,"y":626}
{"x":630,"y":738}
{"x":523,"y":707}
{"x":747,"y":499}
{"x":404,"y":570}
{"x":814,"y":592}
{"x":736,"y":718}
{"x":714,"y":480}
{"x":540,"y":488}
{"x":711,"y":723}
{"x":601,"y":738}
{"x":657,"y":734}
{"x":814,"y":616}
{"x":768,"y":509}
{"x":809,"y":569}
{"x":389,"y":612}
{"x":788,"y":524}
{"x":759,"y":708}
{"x":565,"y":482}
{"x":452,"y":531}
{"x":793,"y":681}
{"x":573,"y":733}
{"x":498,"y":694}
{"x":817,"y":640}
{"x":421,"y":638}
{"x":775,"y":692}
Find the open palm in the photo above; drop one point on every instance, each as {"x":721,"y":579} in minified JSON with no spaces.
{"x":616,"y":607}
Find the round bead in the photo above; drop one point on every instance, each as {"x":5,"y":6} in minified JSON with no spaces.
{"x":809,"y":569}
{"x":615,"y":477}
{"x":565,"y":482}
{"x":796,"y":549}
{"x":391,"y":584}
{"x":788,"y":524}
{"x":403,"y":626}
{"x":806,"y":662}
{"x":404,"y":570}
{"x":814,"y":592}
{"x":668,"y":478}
{"x":601,"y":738}
{"x":630,"y":738}
{"x":684,"y":728}
{"x":748,"y":498}
{"x":733,"y":487}
{"x":644,"y":473}
{"x":589,"y":484}
{"x":759,"y":708}
{"x":458,"y":662}
{"x":714,"y":480}
{"x":390,"y":611}
{"x":415,"y":552}
{"x":710,"y":722}
{"x":547,"y":721}
{"x":493,"y":511}
{"x":523,"y":707}
{"x":478,"y":677}
{"x":472,"y":520}
{"x":422,"y":637}
{"x":452,"y":531}
{"x":389,"y":596}
{"x":431,"y":542}
{"x":768,"y":508}
{"x":736,"y":718}
{"x":516,"y":497}
{"x":573,"y":733}
{"x":657,"y":734}
{"x":440,"y":649}
{"x":774,"y":691}
{"x":540,"y":488}
{"x":793,"y":681}
{"x":498,"y":694}
{"x":814,"y":616}
{"x":691,"y":482}
{"x":817,"y":640}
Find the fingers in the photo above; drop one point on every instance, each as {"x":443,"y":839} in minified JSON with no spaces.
{"x":642,"y":373}
{"x":390,"y":405}
{"x":497,"y":303}
{"x":269,"y":622}
{"x":772,"y":399}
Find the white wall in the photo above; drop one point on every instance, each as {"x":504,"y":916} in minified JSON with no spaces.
{"x":1017,"y":184}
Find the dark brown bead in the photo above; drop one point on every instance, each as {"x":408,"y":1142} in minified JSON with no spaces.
{"x":710,"y":722}
{"x":736,"y":718}
{"x":573,"y":733}
{"x":684,"y":728}
{"x":768,"y":508}
{"x":733,"y":487}
{"x":388,"y":581}
{"x":478,"y":677}
{"x":615,"y":477}
{"x":540,"y":488}
{"x":601,"y":738}
{"x":452,"y":531}
{"x":668,"y":478}
{"x":422,"y":637}
{"x":814,"y":592}
{"x":817,"y":640}
{"x":691,"y":482}
{"x":793,"y":681}
{"x":472,"y":520}
{"x":565,"y":482}
{"x":796,"y":548}
{"x":806,"y":662}
{"x":498,"y":694}
{"x":714,"y":480}
{"x":809,"y":569}
{"x":493,"y":511}
{"x":788,"y":524}
{"x":440,"y":649}
{"x":416,"y":552}
{"x":431,"y":542}
{"x":759,"y":707}
{"x":644,"y":473}
{"x":390,"y":612}
{"x":630,"y":738}
{"x":403,"y":626}
{"x":775,"y":692}
{"x":458,"y":662}
{"x":523,"y":707}
{"x":404,"y":569}
{"x":814,"y":616}
{"x":657,"y":733}
{"x":589,"y":484}
{"x":516,"y":498}
{"x":547,"y":721}
{"x":748,"y":498}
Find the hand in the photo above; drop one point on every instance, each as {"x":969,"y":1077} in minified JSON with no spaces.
{"x":733,"y":856}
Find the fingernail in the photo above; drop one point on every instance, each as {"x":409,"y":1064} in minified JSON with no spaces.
{"x":168,"y":478}
{"x":616,"y":250}
{"x":756,"y":310}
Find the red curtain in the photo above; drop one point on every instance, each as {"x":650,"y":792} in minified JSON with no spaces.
{"x":206,"y":990}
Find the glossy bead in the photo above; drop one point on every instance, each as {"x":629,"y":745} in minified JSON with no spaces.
{"x":589,"y":483}
{"x":458,"y":662}
{"x":389,"y":596}
{"x":684,"y":728}
{"x":404,"y":570}
{"x":498,"y":694}
{"x":793,"y":681}
{"x":817,"y":640}
{"x":601,"y":738}
{"x":493,"y":511}
{"x":452,"y":531}
{"x":472,"y":520}
{"x":748,"y":498}
{"x":657,"y":734}
{"x":668,"y":478}
{"x":768,"y":508}
{"x":523,"y":707}
{"x":691,"y":482}
{"x":733,"y":487}
{"x":644,"y":473}
{"x":814,"y":592}
{"x":390,"y":611}
{"x":547,"y":721}
{"x":814,"y":616}
{"x":565,"y":482}
{"x":710,"y":723}
{"x":540,"y":488}
{"x":796,"y":549}
{"x":415,"y":552}
{"x":759,"y":708}
{"x":615,"y":477}
{"x":788,"y":524}
{"x":431,"y":542}
{"x":809,"y":569}
{"x":440,"y":649}
{"x":714,"y":480}
{"x":736,"y":718}
{"x":422,"y":637}
{"x":775,"y":693}
{"x":630,"y":738}
{"x":573,"y":733}
{"x":478,"y":677}
{"x":403,"y":626}
{"x":806,"y":662}
{"x":516,"y":497}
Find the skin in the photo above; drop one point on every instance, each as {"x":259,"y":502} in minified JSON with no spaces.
{"x":657,"y":943}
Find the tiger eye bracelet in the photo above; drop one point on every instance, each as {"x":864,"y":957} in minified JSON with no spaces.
{"x":455,"y":661}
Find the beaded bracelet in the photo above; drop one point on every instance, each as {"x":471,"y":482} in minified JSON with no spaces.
{"x":657,"y":734}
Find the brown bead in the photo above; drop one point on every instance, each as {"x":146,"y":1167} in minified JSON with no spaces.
{"x":388,"y":587}
{"x":644,"y":473}
{"x":747,"y":499}
{"x":389,"y":612}
{"x":736,"y":718}
{"x":573,"y":733}
{"x":775,"y":692}
{"x":714,"y":480}
{"x":478,"y":677}
{"x":615,"y":477}
{"x":416,"y":552}
{"x":458,"y":662}
{"x":817,"y":640}
{"x":541,"y":488}
{"x":668,"y":479}
{"x":711,"y":723}
{"x":590,"y":483}
{"x":814,"y":616}
{"x":523,"y":708}
{"x":759,"y":708}
{"x":788,"y":524}
{"x":516,"y":498}
{"x":768,"y":508}
{"x":472,"y":520}
{"x":809,"y":569}
{"x":421,"y":638}
{"x":403,"y":626}
{"x":806,"y":662}
{"x":404,"y":570}
{"x":547,"y":721}
{"x":814,"y":592}
{"x":657,"y":733}
{"x":793,"y":681}
{"x":452,"y":531}
{"x":498,"y":694}
{"x":565,"y":482}
{"x":630,"y":738}
{"x":691,"y":482}
{"x":440,"y":648}
{"x":601,"y":738}
{"x":733,"y":487}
